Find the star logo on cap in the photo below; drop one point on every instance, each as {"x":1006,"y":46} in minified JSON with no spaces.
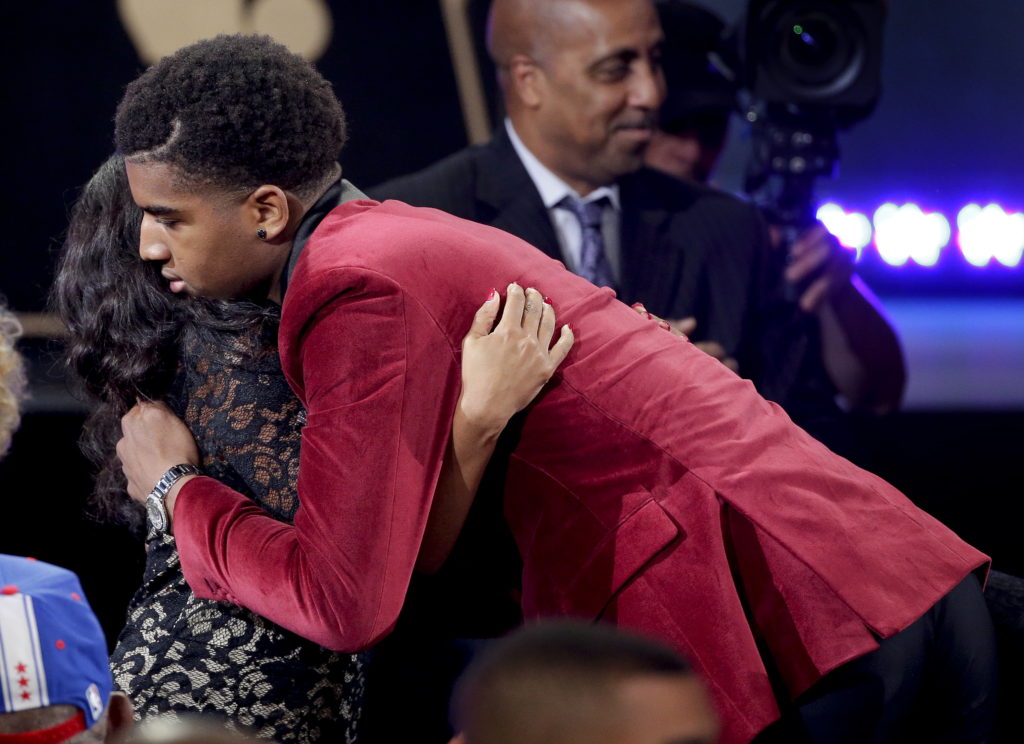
{"x":21,"y":674}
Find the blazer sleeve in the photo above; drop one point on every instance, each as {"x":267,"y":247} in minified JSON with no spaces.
{"x":380,"y":382}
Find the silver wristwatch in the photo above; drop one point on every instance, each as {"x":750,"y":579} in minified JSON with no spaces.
{"x":155,"y":507}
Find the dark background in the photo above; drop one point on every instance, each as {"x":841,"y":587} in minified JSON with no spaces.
{"x":66,"y":65}
{"x":945,"y":133}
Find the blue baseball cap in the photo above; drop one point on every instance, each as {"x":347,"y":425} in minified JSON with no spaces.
{"x":52,"y":649}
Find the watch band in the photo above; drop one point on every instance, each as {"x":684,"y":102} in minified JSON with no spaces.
{"x":168,"y":479}
{"x":155,"y":507}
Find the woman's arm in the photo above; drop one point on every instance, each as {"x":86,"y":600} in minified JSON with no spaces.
{"x":503,"y":369}
{"x":371,"y":449}
{"x":859,"y":346}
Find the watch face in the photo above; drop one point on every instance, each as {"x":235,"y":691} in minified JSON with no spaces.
{"x":157,"y":513}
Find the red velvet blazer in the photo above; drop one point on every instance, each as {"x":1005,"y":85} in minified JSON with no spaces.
{"x":650,"y":487}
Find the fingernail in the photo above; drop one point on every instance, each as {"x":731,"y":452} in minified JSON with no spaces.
{"x":491,"y":294}
{"x":512,"y":286}
{"x":663,"y":324}
{"x":547,"y":301}
{"x":649,"y":316}
{"x":638,"y":306}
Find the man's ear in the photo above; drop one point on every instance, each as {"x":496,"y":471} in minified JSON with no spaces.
{"x":527,"y":79}
{"x":270,"y":210}
{"x":119,"y":718}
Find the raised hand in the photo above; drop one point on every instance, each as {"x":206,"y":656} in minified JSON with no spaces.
{"x":504,"y":366}
{"x":819,"y":266}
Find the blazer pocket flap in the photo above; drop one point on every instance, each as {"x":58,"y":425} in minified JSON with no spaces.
{"x":623,"y":552}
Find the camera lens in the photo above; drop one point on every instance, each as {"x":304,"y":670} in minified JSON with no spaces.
{"x":817,"y":48}
{"x":817,"y":58}
{"x":812,"y":46}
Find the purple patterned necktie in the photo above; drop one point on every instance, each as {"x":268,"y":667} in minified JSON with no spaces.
{"x":594,"y":265}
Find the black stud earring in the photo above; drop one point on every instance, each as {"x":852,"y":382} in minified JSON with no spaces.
{"x":261,"y":233}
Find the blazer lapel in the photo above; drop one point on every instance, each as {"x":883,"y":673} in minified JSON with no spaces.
{"x":507,"y":198}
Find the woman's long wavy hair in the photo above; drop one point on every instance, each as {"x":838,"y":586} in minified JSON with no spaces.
{"x":127,"y":334}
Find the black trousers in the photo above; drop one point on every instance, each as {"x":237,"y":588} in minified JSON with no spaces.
{"x":934,"y":681}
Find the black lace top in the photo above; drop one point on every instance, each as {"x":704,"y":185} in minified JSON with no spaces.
{"x":179,"y":653}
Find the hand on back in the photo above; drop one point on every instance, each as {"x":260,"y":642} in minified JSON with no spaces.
{"x":683,"y":328}
{"x":505,"y":365}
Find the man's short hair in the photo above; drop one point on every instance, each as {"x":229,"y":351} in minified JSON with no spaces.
{"x":552,"y":674}
{"x":187,"y":728}
{"x":236,"y":112}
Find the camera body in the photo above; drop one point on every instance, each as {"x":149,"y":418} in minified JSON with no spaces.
{"x":811,"y":68}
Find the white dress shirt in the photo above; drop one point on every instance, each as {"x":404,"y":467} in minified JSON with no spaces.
{"x":552,"y":190}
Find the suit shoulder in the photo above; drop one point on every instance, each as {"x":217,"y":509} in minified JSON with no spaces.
{"x":448,"y":184}
{"x":393,"y":238}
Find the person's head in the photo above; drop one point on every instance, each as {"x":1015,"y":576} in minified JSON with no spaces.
{"x":582,"y":82}
{"x":105,"y":295}
{"x":121,"y":327}
{"x":573,"y":683}
{"x":189,"y":729}
{"x":126,"y":331}
{"x":55,"y":679}
{"x":12,"y":378}
{"x":226,"y":143}
{"x":700,"y":97}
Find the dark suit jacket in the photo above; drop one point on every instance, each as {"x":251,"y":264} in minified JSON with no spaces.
{"x":648,"y":485}
{"x":687,"y":250}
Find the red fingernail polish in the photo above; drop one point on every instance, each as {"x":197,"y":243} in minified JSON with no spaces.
{"x":490,"y":295}
{"x":649,"y":316}
{"x":547,"y":301}
{"x":664,"y":324}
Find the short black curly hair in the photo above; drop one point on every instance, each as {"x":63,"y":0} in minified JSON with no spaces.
{"x":234,"y":111}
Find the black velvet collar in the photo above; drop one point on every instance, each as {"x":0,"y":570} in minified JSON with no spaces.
{"x":336,"y":194}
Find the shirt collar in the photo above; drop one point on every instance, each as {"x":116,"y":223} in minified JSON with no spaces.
{"x":553,"y":189}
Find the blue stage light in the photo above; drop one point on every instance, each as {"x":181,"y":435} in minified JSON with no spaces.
{"x":852,"y":229}
{"x":907,"y":233}
{"x":990,"y":233}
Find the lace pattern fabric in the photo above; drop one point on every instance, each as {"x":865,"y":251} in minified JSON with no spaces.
{"x":179,"y":653}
